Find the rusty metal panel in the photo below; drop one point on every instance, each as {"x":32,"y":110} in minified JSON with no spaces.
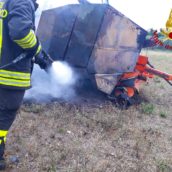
{"x":118,"y":44}
{"x":108,"y":34}
{"x":55,"y":29}
{"x":129,"y":35}
{"x":110,"y":61}
{"x":45,"y":35}
{"x":85,"y":31}
{"x":118,"y":30}
{"x":106,"y":82}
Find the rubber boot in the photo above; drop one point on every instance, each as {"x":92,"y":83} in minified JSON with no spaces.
{"x":2,"y":160}
{"x":2,"y":164}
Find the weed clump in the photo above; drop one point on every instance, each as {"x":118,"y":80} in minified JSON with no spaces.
{"x":147,"y":108}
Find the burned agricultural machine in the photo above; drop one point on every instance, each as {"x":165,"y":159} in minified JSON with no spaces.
{"x":101,"y":44}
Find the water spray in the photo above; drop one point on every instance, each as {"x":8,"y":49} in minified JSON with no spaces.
{"x":57,"y":82}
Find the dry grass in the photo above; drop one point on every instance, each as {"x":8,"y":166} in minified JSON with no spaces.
{"x":64,"y":137}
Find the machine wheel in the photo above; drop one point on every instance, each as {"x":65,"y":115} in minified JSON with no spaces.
{"x":122,"y":101}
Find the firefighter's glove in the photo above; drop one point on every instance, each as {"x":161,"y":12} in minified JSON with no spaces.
{"x":43,"y":60}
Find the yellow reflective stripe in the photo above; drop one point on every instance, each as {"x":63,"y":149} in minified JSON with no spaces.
{"x":14,"y":75}
{"x":29,"y":45}
{"x":1,"y":33}
{"x":4,"y":139}
{"x":13,"y":82}
{"x":1,"y":4}
{"x":28,"y":41}
{"x":3,"y":133}
{"x":23,"y":40}
{"x":39,"y":49}
{"x":30,"y":38}
{"x":1,"y":29}
{"x":11,"y":78}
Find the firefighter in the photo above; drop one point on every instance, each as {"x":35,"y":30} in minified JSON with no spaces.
{"x":17,"y":35}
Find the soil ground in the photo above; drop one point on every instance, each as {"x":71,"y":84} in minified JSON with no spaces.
{"x":92,"y":135}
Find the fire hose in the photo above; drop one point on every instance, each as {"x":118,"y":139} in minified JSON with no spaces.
{"x":22,"y":56}
{"x":16,"y":60}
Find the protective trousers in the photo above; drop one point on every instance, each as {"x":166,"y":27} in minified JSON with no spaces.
{"x":10,"y":101}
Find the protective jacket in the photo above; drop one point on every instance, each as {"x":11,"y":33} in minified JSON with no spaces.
{"x":17,"y":35}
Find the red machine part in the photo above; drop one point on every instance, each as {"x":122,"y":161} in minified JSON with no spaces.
{"x":129,"y":83}
{"x":148,"y":71}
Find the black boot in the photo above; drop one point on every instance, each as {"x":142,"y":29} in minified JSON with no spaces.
{"x":2,"y":164}
{"x":2,"y":160}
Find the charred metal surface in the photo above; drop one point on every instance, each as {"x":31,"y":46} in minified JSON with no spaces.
{"x":118,"y":44}
{"x":106,"y":82}
{"x":84,"y":35}
{"x":110,"y":61}
{"x":55,"y":30}
{"x":95,"y":37}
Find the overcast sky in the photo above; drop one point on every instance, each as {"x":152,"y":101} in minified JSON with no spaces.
{"x":146,"y":13}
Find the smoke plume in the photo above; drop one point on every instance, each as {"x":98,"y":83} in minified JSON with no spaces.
{"x":57,"y":83}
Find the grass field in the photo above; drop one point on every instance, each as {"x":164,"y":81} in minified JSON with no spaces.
{"x":95,"y":136}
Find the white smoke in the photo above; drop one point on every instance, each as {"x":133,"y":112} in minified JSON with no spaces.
{"x":57,"y":83}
